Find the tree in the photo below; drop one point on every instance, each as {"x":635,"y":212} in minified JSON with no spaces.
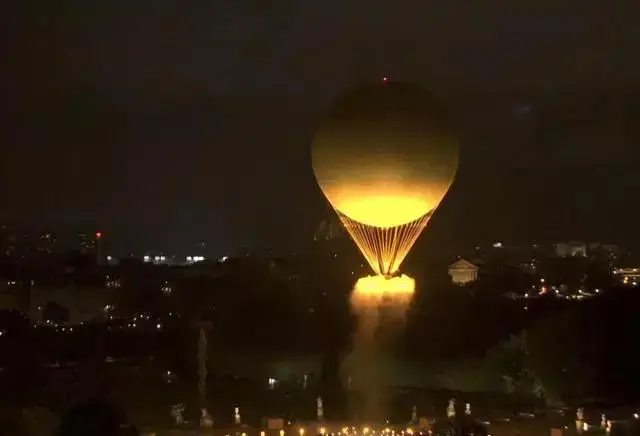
{"x":564,"y":352}
{"x":80,"y":262}
{"x":598,"y":276}
{"x":569,"y":271}
{"x":140,"y":296}
{"x":510,"y":362}
{"x":13,"y":321}
{"x":55,"y":313}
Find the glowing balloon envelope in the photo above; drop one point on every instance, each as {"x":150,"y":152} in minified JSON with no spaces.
{"x":385,"y":157}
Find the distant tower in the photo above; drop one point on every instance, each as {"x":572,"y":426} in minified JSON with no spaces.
{"x":99,"y":248}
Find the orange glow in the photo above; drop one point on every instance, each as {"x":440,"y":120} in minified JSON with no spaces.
{"x":384,"y":209}
{"x":378,"y":188}
{"x":374,"y":290}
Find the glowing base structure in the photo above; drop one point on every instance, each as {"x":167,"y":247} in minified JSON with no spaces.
{"x":374,"y":291}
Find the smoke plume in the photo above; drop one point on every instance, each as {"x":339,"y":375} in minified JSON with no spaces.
{"x":378,"y":303}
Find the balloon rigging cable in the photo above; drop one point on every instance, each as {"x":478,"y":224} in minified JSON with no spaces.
{"x":385,"y":247}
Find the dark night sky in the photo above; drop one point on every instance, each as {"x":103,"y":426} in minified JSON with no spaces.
{"x":169,"y":122}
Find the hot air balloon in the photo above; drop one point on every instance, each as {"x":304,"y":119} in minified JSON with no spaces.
{"x":385,"y":156}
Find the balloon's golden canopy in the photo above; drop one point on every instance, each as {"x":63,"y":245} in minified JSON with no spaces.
{"x":385,"y":155}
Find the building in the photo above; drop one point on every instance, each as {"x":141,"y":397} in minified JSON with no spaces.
{"x":329,"y":229}
{"x":571,"y":249}
{"x":628,"y":276}
{"x":463,"y":272}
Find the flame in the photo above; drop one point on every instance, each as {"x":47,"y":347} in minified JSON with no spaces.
{"x":375,"y":290}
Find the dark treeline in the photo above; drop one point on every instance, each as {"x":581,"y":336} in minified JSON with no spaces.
{"x":301,"y":305}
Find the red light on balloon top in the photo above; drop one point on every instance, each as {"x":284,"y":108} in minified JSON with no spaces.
{"x":98,"y":235}
{"x":385,"y":79}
